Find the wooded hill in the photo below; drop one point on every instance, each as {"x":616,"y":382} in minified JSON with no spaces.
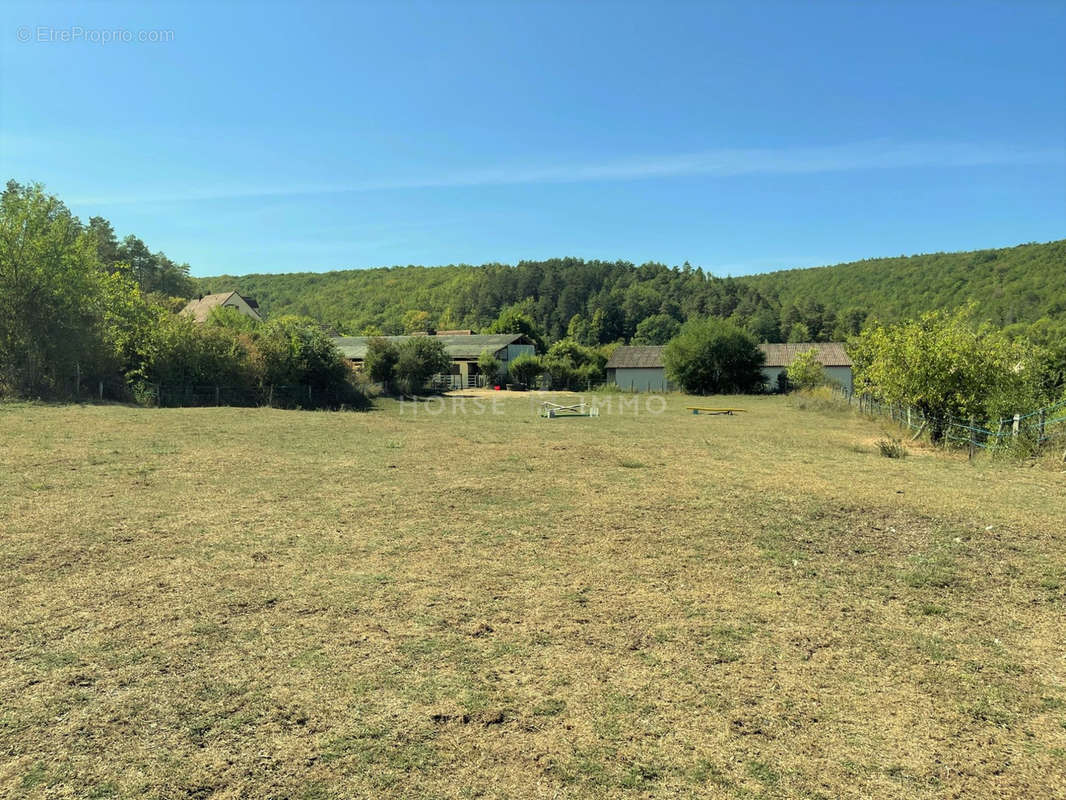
{"x":599,"y":302}
{"x":1013,"y":284}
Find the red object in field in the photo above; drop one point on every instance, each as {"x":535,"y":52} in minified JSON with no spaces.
{"x":497,"y":388}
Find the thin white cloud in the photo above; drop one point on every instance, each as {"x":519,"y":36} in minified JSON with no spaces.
{"x":714,"y":163}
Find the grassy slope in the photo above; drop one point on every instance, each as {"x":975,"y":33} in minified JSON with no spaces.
{"x":234,"y":603}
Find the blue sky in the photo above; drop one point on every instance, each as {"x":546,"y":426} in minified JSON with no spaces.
{"x":741,"y":137}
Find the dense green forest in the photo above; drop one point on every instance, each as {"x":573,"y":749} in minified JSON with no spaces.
{"x":595,"y":302}
{"x":1013,"y":284}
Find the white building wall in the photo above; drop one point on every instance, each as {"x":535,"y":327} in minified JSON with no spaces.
{"x":237,"y":302}
{"x":642,"y":379}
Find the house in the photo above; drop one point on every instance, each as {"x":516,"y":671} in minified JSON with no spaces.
{"x":641,"y":368}
{"x":202,"y":307}
{"x":836,"y":365}
{"x":463,"y":347}
{"x":638,"y":369}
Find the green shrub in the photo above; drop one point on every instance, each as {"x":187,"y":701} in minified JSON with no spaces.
{"x":489,"y":366}
{"x":714,"y":356}
{"x":822,"y":398}
{"x":420,"y":358}
{"x":380,"y":361}
{"x":525,"y":369}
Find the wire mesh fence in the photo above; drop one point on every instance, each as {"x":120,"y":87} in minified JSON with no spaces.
{"x":82,"y":389}
{"x":304,"y":396}
{"x":1031,"y":430}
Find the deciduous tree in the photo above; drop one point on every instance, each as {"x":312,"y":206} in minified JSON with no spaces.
{"x":946,"y":366}
{"x":714,"y":356}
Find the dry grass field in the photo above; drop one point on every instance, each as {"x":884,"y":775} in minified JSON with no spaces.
{"x":231,"y":603}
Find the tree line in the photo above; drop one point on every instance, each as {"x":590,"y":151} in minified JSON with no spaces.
{"x":77,"y":306}
{"x":592,"y":302}
{"x":596,"y":302}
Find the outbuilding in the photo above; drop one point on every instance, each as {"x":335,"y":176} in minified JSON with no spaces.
{"x":640,"y":368}
{"x":836,"y":364}
{"x":463,"y":348}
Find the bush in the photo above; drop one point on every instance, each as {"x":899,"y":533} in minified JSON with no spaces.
{"x":892,"y":448}
{"x":180,"y":352}
{"x":821,"y":398}
{"x":380,"y":360}
{"x":288,"y":361}
{"x":489,"y":366}
{"x":713,"y":356}
{"x":571,"y":365}
{"x":525,"y":369}
{"x":419,"y":359}
{"x":293,"y":351}
{"x":561,"y":372}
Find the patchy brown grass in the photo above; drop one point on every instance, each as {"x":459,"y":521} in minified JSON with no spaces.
{"x":255,"y":603}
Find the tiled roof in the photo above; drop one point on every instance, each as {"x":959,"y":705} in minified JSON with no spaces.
{"x":200,"y":309}
{"x":828,"y":354}
{"x":635,"y":357}
{"x":457,"y":345}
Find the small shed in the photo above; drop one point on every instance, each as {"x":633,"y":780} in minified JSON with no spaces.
{"x":638,"y":368}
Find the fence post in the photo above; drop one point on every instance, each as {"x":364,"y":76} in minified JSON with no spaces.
{"x":1040,"y":429}
{"x":77,"y":379}
{"x":1016,"y":425}
{"x":308,"y":394}
{"x":218,"y":396}
{"x":101,"y":391}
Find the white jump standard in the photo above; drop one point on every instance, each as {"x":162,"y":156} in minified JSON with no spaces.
{"x":552,"y":410}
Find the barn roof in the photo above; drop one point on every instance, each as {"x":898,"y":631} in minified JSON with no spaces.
{"x":457,"y":345}
{"x":635,"y":357}
{"x":828,"y":354}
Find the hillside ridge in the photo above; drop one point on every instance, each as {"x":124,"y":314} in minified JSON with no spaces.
{"x":1022,"y":284}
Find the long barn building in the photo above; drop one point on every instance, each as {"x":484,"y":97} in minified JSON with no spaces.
{"x":464,"y":349}
{"x":640,"y":368}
